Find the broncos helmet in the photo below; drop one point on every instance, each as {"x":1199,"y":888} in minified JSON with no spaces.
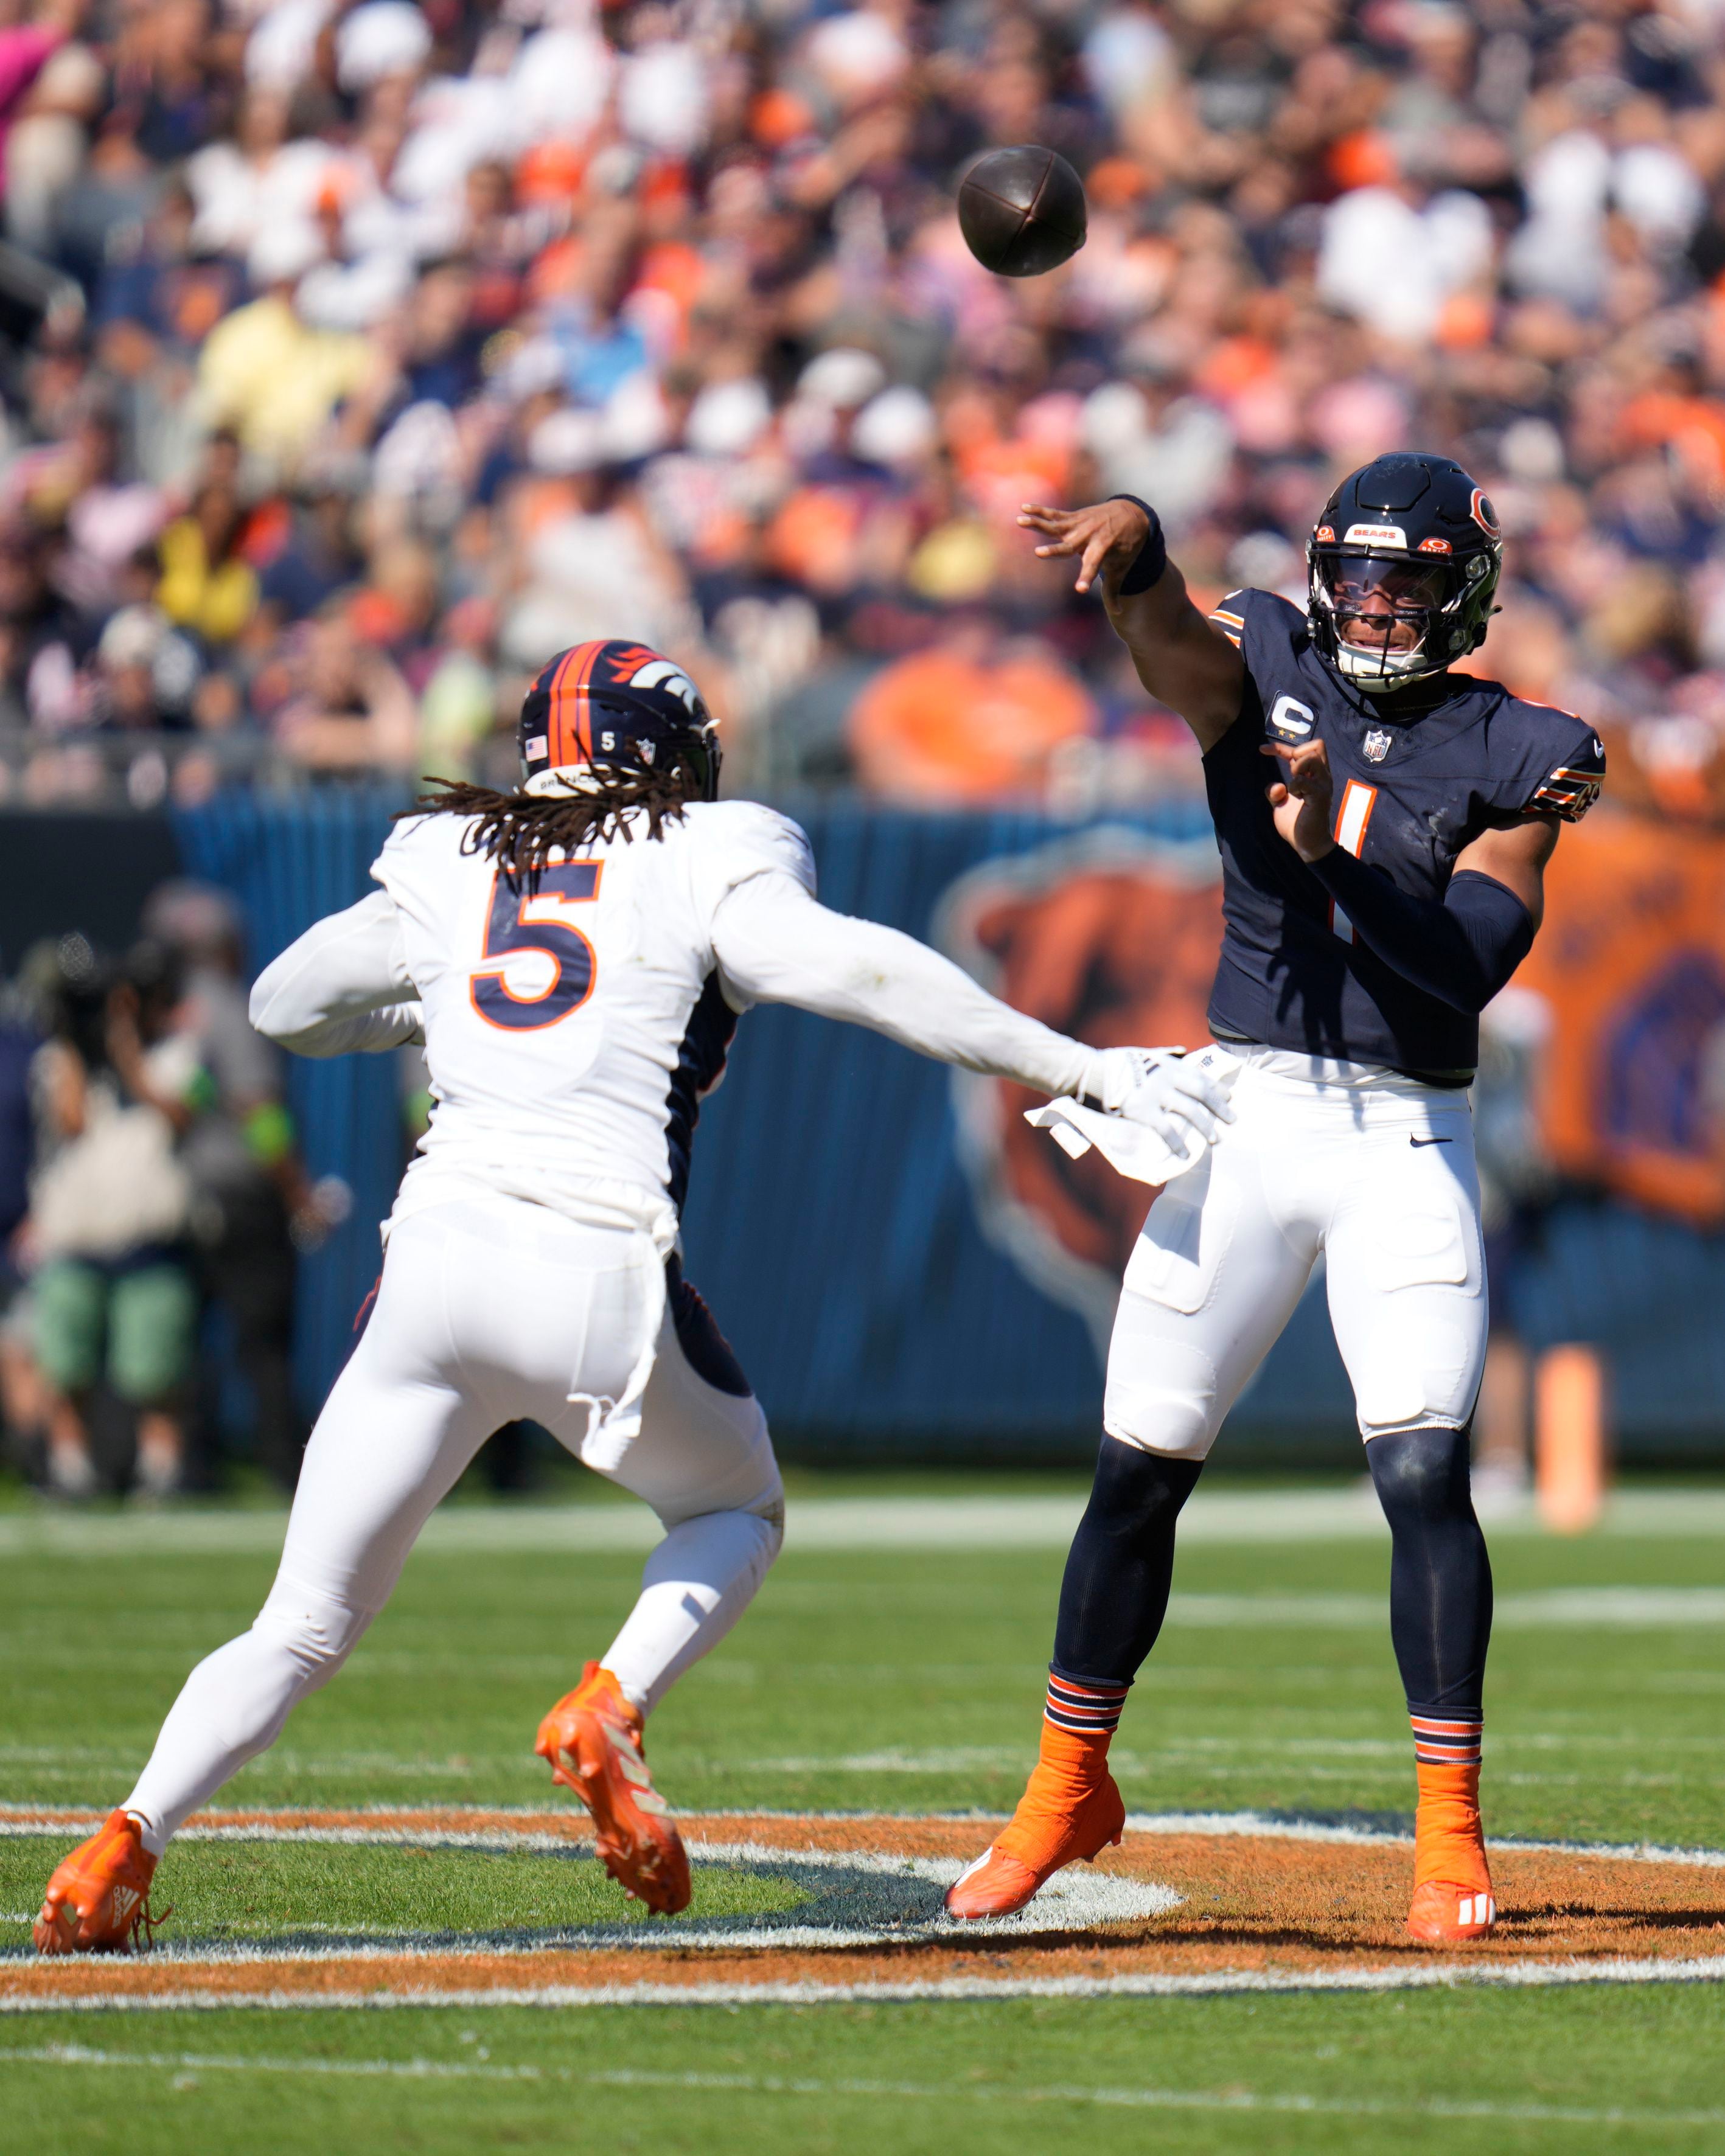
{"x":619,"y":710}
{"x":1403,"y":567}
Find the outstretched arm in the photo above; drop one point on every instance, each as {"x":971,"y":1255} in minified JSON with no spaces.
{"x":1462,"y":948}
{"x":1181,"y":659}
{"x":342,"y":988}
{"x":776,"y":944}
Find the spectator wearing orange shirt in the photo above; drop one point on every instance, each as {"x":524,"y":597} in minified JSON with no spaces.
{"x":967,"y":722}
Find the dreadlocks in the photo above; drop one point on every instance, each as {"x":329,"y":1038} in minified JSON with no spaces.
{"x":520,"y":830}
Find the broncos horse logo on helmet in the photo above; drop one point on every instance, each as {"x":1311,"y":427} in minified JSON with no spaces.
{"x":1402,"y":566}
{"x":614,"y":709}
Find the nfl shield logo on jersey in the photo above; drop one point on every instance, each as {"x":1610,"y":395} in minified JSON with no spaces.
{"x":1377,"y":745}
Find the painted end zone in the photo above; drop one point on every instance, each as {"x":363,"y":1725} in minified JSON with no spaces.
{"x":1179,"y":1908}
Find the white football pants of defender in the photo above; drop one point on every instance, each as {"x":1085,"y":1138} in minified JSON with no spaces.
{"x":1372,"y":1171}
{"x":488,"y":1311}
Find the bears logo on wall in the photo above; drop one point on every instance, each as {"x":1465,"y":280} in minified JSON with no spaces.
{"x":1631,"y":963}
{"x":1111,"y":936}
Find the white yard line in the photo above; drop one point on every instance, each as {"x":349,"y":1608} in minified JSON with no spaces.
{"x":34,"y":1822}
{"x":627,"y":2077}
{"x":1407,"y":1976}
{"x":1020,"y":1521}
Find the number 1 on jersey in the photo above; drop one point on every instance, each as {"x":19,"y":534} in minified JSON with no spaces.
{"x":1357,"y":803}
{"x":527,"y":917}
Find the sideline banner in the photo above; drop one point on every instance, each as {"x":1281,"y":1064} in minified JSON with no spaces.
{"x":1631,"y":963}
{"x":905,"y":1267}
{"x":1109,"y":935}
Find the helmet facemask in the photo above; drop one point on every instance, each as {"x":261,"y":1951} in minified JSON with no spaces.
{"x":1386,"y":620}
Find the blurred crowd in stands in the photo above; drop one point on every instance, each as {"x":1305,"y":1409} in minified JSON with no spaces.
{"x":378,"y":351}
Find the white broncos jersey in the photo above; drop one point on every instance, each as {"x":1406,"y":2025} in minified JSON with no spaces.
{"x":573,"y":1022}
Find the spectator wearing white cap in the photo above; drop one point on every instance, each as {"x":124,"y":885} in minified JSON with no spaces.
{"x":384,"y":37}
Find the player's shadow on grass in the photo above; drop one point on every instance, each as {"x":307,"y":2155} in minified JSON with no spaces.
{"x":1171,"y":1936}
{"x":1392,"y":1825}
{"x":1652,"y":1920}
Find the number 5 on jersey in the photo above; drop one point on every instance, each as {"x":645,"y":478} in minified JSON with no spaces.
{"x":530,"y":917}
{"x":1357,"y":803}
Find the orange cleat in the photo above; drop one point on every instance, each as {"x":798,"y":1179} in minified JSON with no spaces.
{"x":99,"y":1897}
{"x":1071,"y":1810}
{"x":1444,"y":1914}
{"x":1453,"y":1901}
{"x":593,"y":1739}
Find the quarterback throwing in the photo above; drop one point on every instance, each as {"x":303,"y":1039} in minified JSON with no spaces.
{"x":1384,"y":825}
{"x":574,"y":956}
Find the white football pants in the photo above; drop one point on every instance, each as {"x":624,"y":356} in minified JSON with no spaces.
{"x":1375,"y":1173}
{"x":488,"y":1311}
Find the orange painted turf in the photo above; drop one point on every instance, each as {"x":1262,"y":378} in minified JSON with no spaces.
{"x":1264,"y":1906}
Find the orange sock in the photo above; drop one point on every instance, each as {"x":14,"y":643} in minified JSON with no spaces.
{"x":1071,"y":1762}
{"x":1070,"y":1797}
{"x":1448,"y":1843}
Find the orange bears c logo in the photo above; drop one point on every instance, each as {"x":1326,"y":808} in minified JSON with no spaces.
{"x":1111,"y":936}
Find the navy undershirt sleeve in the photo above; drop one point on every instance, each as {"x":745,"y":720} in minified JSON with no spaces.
{"x":1462,"y":951}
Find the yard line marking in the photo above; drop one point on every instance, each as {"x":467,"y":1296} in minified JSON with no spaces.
{"x":1282,"y":1828}
{"x":1030,"y":1520}
{"x":1562,"y":1608}
{"x":40,"y":1822}
{"x":1415,"y":1976}
{"x":628,"y":2077}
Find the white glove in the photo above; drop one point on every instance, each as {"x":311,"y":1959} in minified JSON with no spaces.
{"x":1168,"y":1091}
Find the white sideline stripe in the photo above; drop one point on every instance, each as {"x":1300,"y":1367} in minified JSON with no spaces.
{"x":1028,"y":1522}
{"x":32,"y":1822}
{"x":627,"y":2077}
{"x":1562,"y":1608}
{"x":1255,"y":1824}
{"x":1551,"y":1608}
{"x":1411,"y":1976}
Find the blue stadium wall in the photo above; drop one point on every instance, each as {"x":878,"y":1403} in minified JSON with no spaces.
{"x":831,"y":1224}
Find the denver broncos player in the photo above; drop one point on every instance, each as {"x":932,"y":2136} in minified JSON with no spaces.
{"x":1384,"y":824}
{"x":574,"y":956}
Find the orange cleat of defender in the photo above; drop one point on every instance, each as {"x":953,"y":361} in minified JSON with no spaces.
{"x":1453,"y":1900}
{"x":1071,"y":1810}
{"x":99,"y":1897}
{"x":593,"y":1739}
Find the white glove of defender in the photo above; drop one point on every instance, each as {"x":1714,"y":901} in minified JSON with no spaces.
{"x":1168,"y":1091}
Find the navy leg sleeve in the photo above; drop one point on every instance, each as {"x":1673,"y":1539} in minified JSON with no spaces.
{"x":1440,"y":1575}
{"x":1115,"y":1593}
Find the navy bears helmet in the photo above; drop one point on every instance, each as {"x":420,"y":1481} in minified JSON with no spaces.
{"x":617,"y":710}
{"x":1402,"y":566}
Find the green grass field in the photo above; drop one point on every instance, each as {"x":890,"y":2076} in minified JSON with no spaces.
{"x":878,"y":1678}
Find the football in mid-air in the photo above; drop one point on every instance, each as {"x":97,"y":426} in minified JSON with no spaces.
{"x":1021,"y":211}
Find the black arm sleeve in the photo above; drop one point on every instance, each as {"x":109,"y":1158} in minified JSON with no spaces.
{"x":1462,"y":952}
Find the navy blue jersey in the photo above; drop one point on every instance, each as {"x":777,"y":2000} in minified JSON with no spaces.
{"x":1417,"y":780}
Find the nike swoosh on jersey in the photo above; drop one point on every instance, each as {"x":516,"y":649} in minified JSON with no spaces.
{"x":1422,"y":1141}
